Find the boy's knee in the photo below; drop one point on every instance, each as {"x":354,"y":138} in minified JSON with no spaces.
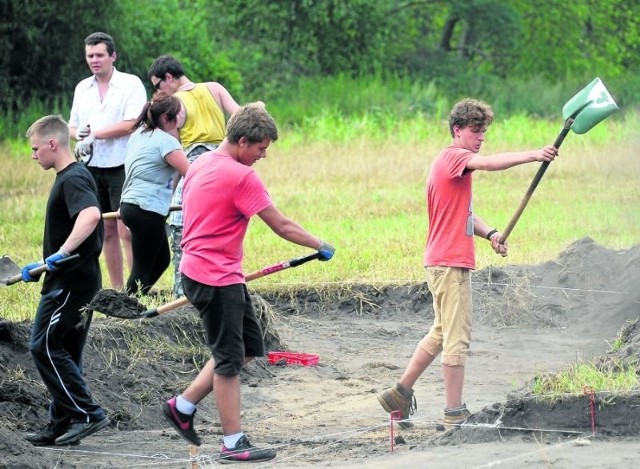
{"x":228,"y":366}
{"x":430,"y":345}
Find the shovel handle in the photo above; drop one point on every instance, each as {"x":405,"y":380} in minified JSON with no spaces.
{"x":40,"y":269}
{"x":152,"y":313}
{"x":116,"y":215}
{"x":272,"y":269}
{"x":534,"y":183}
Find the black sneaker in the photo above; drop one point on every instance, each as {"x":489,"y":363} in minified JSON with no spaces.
{"x":183,"y":423}
{"x":244,"y":452}
{"x":78,"y":431}
{"x":45,"y":437}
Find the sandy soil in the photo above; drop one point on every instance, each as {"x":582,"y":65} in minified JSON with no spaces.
{"x":529,"y":320}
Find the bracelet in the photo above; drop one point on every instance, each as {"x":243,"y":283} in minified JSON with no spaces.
{"x":491,"y":233}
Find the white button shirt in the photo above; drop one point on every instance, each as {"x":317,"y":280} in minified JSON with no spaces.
{"x":124,"y":100}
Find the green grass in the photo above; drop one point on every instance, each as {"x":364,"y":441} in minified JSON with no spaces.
{"x":359,"y":184}
{"x":573,"y":380}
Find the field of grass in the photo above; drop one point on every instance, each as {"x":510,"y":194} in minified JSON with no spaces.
{"x":358,"y":183}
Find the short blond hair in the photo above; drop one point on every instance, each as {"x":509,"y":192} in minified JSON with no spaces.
{"x":52,"y":126}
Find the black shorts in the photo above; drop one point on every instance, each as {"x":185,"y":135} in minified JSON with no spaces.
{"x":109,"y":182}
{"x":230,"y":324}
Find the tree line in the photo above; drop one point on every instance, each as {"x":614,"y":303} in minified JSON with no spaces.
{"x":259,"y":47}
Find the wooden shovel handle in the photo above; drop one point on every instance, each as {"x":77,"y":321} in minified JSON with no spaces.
{"x":534,"y":183}
{"x":295,"y":262}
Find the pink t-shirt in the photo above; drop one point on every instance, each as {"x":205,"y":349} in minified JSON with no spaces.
{"x":449,"y":206}
{"x":220,"y":195}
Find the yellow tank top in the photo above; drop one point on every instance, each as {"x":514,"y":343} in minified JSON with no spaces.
{"x":205,"y":120}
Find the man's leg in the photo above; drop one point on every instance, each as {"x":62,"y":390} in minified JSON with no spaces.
{"x":114,"y":180}
{"x":58,"y":337}
{"x":112,"y":252}
{"x":456,"y":308}
{"x":111,"y":249}
{"x":453,"y":377}
{"x":125,"y":238}
{"x":180,"y":410}
{"x":420,"y":361}
{"x":227,"y":392}
{"x":455,"y":412}
{"x":202,"y":386}
{"x":400,"y":397}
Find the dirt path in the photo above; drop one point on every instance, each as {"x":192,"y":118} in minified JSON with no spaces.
{"x":528,"y":320}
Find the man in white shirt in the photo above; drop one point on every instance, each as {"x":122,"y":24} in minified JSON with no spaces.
{"x":105,"y":105}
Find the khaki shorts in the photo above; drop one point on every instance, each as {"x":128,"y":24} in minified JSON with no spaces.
{"x":451,"y":330}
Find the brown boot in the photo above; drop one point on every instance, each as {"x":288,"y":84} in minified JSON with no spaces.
{"x":455,"y":416}
{"x":399,"y":399}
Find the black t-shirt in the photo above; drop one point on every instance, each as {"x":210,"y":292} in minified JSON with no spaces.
{"x":73,"y":190}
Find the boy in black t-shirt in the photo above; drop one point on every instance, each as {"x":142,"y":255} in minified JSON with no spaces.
{"x":73,"y":225}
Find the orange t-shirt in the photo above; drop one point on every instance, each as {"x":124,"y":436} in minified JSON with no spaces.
{"x":450,"y":210}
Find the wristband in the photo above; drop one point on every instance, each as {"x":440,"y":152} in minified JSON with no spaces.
{"x":491,"y":233}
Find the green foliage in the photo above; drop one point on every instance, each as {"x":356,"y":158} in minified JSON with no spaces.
{"x":483,"y":33}
{"x":42,"y":47}
{"x":275,"y":43}
{"x":171,"y":27}
{"x":394,"y":98}
{"x":15,"y":123}
{"x":260,"y":49}
{"x":389,"y":99}
{"x":583,"y":38}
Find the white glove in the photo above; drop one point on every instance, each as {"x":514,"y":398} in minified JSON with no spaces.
{"x":84,"y":148}
{"x":82,"y":132}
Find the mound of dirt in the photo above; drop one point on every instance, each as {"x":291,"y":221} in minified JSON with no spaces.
{"x":587,"y":299}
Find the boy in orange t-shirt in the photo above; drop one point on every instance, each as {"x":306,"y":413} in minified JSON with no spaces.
{"x":450,"y":256}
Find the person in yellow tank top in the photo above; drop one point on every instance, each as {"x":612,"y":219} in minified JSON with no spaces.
{"x":201,"y":125}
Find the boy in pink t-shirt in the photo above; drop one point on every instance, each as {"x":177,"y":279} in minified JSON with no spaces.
{"x":450,"y":256}
{"x":221,"y":193}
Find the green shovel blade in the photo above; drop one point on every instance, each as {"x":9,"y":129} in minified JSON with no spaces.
{"x":589,"y":107}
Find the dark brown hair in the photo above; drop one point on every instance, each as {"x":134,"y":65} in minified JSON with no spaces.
{"x":94,"y":39}
{"x":253,"y":122}
{"x":166,"y":64}
{"x":160,"y":104}
{"x":470,"y":113}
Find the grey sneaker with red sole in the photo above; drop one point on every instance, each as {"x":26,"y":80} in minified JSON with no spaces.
{"x":244,"y":452}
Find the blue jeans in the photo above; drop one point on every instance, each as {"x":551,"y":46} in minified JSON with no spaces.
{"x":176,"y":239}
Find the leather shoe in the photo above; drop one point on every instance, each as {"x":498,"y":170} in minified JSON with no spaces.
{"x":78,"y":431}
